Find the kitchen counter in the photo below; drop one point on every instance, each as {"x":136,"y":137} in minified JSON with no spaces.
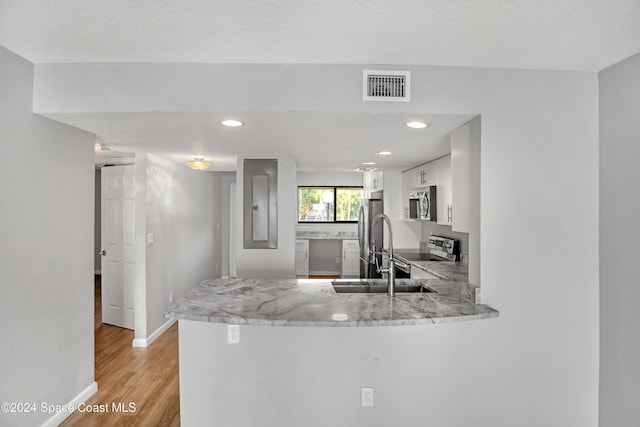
{"x":327,"y":235}
{"x":313,"y":302}
{"x":271,"y":367}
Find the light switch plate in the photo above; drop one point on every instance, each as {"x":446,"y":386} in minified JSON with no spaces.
{"x":149,"y":239}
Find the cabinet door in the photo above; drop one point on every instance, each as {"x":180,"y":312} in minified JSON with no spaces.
{"x":444,"y":191}
{"x":302,"y":258}
{"x":426,"y":175}
{"x":461,"y":178}
{"x":366,"y":184}
{"x":350,"y":258}
{"x":377,"y":181}
{"x":421,"y":176}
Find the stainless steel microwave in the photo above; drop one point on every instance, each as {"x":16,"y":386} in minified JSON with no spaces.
{"x":427,"y":204}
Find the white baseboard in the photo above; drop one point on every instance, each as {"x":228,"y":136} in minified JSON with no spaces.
{"x":97,"y":272}
{"x":324,"y":273}
{"x":59,"y":417}
{"x":146,"y":342}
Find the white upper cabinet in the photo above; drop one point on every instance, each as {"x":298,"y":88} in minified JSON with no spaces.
{"x":461,"y":178}
{"x":377,"y":180}
{"x":372,"y":181}
{"x":444,"y":196}
{"x":422,"y":176}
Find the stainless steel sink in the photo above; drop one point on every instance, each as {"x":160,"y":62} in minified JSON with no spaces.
{"x":358,"y":287}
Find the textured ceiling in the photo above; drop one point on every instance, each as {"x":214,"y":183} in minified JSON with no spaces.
{"x":586,"y":35}
{"x":543,"y":34}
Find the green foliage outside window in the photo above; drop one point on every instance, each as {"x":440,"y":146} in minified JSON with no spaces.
{"x":329,"y":204}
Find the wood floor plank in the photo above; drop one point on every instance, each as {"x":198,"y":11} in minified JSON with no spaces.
{"x":147,"y":377}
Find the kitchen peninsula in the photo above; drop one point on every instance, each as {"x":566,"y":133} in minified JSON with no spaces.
{"x":288,"y":361}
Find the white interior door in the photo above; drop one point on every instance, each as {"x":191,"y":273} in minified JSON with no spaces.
{"x":118,"y":245}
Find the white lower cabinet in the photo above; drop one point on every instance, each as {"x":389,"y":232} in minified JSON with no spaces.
{"x":350,"y":258}
{"x":302,"y":258}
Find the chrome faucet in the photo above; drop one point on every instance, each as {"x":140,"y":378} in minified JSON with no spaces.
{"x":390,"y":269}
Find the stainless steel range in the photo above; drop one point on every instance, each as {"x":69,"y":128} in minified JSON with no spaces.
{"x":438,"y":249}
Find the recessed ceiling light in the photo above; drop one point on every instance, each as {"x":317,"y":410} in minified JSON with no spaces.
{"x":368,"y":163}
{"x":232,"y":123}
{"x":417,"y":125}
{"x":384,"y":153}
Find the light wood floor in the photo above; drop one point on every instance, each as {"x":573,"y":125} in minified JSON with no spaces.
{"x":147,"y":377}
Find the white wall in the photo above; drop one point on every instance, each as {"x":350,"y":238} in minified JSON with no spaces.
{"x":469,"y":242}
{"x":619,"y":242}
{"x":226,"y":179}
{"x":46,"y":251}
{"x":279,"y":262}
{"x":475,"y":204}
{"x":183,"y":212}
{"x":539,"y":180}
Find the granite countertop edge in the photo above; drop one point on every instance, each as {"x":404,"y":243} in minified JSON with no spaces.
{"x":313,"y":303}
{"x":334,"y":324}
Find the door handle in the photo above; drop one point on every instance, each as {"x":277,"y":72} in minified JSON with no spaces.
{"x":103,"y":252}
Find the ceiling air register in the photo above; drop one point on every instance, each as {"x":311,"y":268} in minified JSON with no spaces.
{"x":386,"y":85}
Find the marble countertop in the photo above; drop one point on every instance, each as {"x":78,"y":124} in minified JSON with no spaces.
{"x":313,"y":302}
{"x":333,"y":235}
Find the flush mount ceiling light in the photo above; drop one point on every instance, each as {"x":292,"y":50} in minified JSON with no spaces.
{"x":368,"y":163}
{"x":199,"y":164}
{"x":232,"y":123}
{"x":384,"y":153}
{"x":416,"y":125}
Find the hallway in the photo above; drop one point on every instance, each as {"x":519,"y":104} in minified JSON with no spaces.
{"x":147,"y":378}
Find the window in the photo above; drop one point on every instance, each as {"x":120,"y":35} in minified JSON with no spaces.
{"x":329,"y":204}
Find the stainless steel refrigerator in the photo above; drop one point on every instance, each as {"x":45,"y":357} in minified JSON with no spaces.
{"x":368,"y":211}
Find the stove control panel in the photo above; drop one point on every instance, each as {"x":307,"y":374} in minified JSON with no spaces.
{"x":444,"y":246}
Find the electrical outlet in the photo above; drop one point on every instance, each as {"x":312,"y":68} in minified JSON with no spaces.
{"x":170,"y":297}
{"x":366,"y":397}
{"x":149,"y":239}
{"x":233,"y":334}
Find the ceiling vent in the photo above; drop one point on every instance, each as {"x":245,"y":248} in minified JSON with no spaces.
{"x":385,"y":85}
